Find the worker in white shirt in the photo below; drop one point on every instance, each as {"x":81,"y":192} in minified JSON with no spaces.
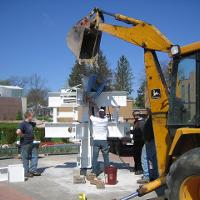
{"x":100,"y":132}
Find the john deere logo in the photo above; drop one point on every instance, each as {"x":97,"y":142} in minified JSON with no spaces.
{"x":155,"y":94}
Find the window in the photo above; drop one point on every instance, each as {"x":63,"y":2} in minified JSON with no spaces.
{"x":17,"y":93}
{"x":183,"y":92}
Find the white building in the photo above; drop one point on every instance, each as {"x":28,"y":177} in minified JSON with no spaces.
{"x":11,"y":91}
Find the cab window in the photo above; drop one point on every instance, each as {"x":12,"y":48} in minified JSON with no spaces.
{"x":183,"y":92}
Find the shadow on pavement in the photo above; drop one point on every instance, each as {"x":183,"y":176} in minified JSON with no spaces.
{"x":67,"y":165}
{"x":101,"y":167}
{"x":42,"y":169}
{"x":120,"y":165}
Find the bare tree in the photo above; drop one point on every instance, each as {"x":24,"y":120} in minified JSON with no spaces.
{"x":38,"y":93}
{"x":37,"y":97}
{"x":35,"y":89}
{"x":36,"y":82}
{"x":22,"y":82}
{"x":166,"y":66}
{"x":19,"y":81}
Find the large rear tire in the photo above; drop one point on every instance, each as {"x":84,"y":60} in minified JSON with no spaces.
{"x":183,"y":180}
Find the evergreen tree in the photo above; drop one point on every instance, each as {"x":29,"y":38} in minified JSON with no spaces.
{"x":123,"y":75}
{"x":77,"y":71}
{"x":140,"y":99}
{"x":101,"y":68}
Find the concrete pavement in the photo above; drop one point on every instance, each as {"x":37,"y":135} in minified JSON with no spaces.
{"x":56,"y":182}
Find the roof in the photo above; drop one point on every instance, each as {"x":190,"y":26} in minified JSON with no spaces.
{"x":190,"y":48}
{"x":11,"y":87}
{"x":54,"y":94}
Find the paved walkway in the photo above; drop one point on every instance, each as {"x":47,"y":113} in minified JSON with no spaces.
{"x":56,"y":182}
{"x":7,"y":192}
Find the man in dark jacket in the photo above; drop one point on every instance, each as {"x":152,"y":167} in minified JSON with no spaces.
{"x":150,"y":151}
{"x":138,"y":141}
{"x":150,"y":148}
{"x":28,"y":150}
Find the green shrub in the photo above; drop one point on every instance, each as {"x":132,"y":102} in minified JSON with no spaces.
{"x":8,"y":133}
{"x":56,"y":140}
{"x":60,"y":140}
{"x":9,"y":125}
{"x":19,"y":115}
{"x":39,"y":134}
{"x":40,"y":117}
{"x":65,"y":140}
{"x":45,"y":118}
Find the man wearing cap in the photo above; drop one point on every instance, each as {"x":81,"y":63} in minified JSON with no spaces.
{"x":99,"y":129}
{"x":138,"y":141}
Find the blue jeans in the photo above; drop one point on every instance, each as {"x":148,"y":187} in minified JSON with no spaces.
{"x":29,"y":152}
{"x":145,"y":163}
{"x":104,"y":147}
{"x":151,"y":156}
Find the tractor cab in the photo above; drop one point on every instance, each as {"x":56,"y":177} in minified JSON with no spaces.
{"x":185,"y":91}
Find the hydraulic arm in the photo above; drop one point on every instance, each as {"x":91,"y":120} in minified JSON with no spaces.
{"x":84,"y":38}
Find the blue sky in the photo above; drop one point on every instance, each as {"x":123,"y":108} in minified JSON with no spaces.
{"x":32,"y":33}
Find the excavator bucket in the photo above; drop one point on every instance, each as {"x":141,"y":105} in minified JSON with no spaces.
{"x":84,"y":41}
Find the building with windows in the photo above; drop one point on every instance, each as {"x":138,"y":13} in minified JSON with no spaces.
{"x":12,"y":102}
{"x":11,"y":91}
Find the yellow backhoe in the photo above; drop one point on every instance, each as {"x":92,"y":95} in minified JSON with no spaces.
{"x":175,"y":109}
